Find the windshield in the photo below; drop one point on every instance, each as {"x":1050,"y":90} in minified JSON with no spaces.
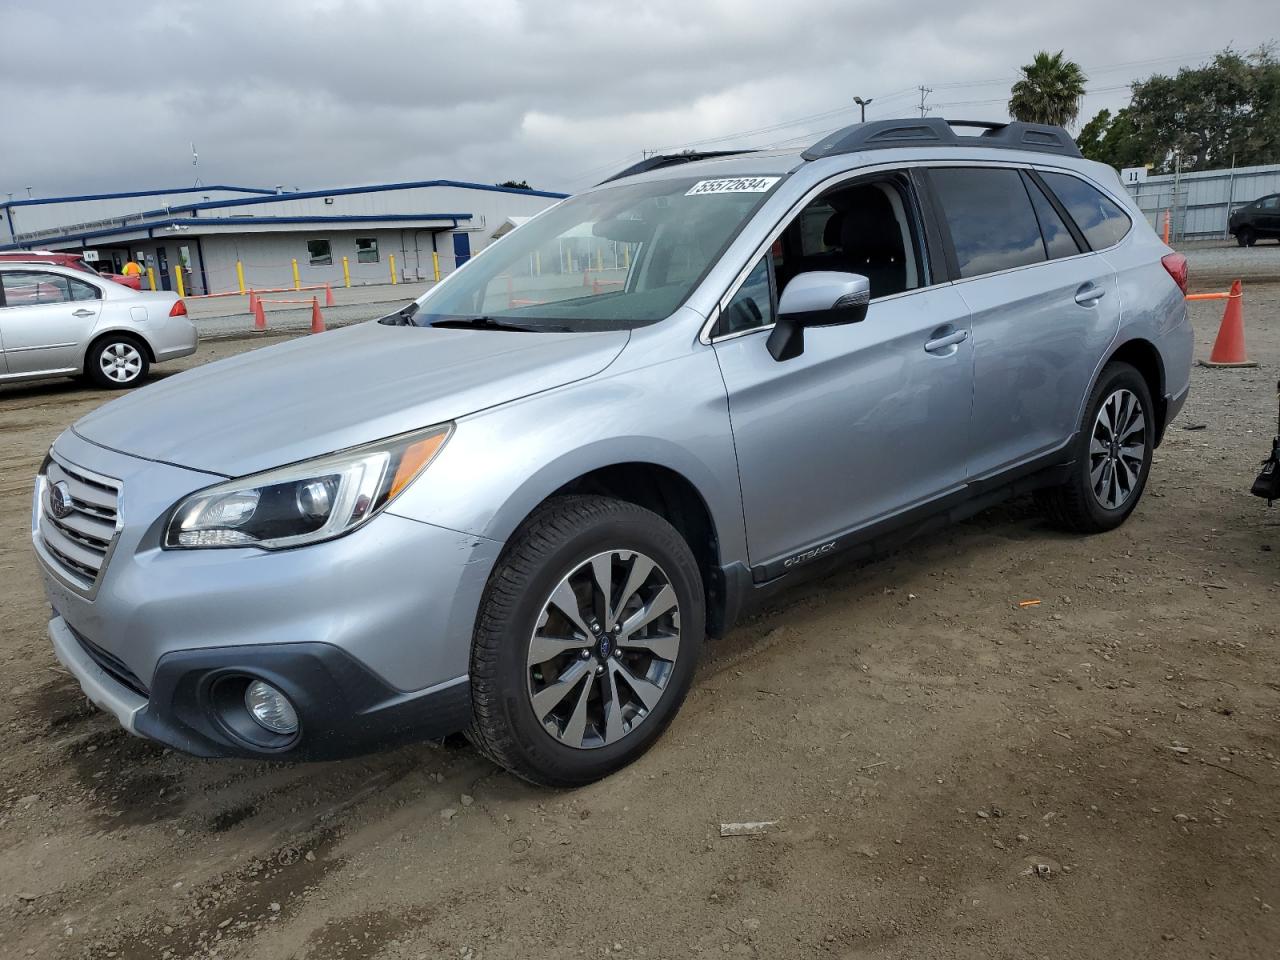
{"x":615,"y":258}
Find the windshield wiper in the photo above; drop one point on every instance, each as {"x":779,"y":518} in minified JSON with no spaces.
{"x":488,"y":323}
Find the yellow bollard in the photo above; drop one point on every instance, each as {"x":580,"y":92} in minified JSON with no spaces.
{"x":182,"y":292}
{"x":240,"y":275}
{"x":626,"y":256}
{"x":393,"y":269}
{"x":600,"y":260}
{"x":346,"y":273}
{"x":297,"y":284}
{"x":537,"y":262}
{"x":435,"y":264}
{"x":151,"y":277}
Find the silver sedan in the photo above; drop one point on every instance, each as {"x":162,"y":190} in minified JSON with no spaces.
{"x":57,"y":322}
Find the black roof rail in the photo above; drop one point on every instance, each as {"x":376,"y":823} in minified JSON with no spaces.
{"x":939,"y":132}
{"x":658,"y":161}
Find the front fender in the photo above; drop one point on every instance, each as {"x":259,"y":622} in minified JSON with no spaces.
{"x":501,"y":463}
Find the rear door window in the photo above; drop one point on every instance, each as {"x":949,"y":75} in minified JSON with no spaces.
{"x":83,"y":291}
{"x":993,"y":225}
{"x":1101,"y":221}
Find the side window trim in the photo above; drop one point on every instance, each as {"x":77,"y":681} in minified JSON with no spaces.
{"x":940,"y":227}
{"x":1077,"y":234}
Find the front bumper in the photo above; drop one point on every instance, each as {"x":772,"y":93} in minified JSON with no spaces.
{"x":194,"y":701}
{"x":369,"y":634}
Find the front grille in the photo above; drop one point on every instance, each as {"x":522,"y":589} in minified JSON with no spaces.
{"x":113,"y":665}
{"x":79,"y":542}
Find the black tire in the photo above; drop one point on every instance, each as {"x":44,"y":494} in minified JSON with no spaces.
{"x":1073,"y":505}
{"x":556,"y":539}
{"x":121,"y":376}
{"x":1245,"y":237}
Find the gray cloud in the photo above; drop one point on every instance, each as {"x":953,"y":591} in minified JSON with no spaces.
{"x":317,"y":94}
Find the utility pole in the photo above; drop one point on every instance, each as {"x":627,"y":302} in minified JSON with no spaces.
{"x":863,"y":104}
{"x":924,"y":92}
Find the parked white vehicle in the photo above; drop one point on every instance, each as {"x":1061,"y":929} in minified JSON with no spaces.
{"x":59,"y":322}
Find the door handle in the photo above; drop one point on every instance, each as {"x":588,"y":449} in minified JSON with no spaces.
{"x":950,"y":340}
{"x":1089,"y":294}
{"x":82,"y":312}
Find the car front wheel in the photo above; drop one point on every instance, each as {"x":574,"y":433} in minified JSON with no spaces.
{"x":586,"y":642}
{"x":117,"y":362}
{"x":1112,"y":455}
{"x":1245,"y":237}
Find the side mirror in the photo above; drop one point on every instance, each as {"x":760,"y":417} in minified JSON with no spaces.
{"x":822,"y":298}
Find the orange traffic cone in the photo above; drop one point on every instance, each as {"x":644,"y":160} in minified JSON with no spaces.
{"x":328,"y":295}
{"x":259,"y":314}
{"x":317,"y":321}
{"x":1228,"y":349}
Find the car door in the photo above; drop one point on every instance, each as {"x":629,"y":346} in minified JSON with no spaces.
{"x":46,"y":320}
{"x":1268,"y":215}
{"x":1042,"y":311}
{"x":871,"y":418}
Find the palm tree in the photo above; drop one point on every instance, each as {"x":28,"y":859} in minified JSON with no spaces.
{"x":1049,"y":91}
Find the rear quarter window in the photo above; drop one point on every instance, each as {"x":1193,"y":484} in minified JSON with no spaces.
{"x":1101,"y":220}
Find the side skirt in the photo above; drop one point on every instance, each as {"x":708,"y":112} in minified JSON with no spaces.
{"x":743,"y":589}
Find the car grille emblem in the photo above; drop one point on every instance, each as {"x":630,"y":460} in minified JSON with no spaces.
{"x":60,"y":502}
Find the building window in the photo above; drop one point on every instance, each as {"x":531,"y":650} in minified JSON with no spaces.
{"x":366,"y":249}
{"x":318,"y":251}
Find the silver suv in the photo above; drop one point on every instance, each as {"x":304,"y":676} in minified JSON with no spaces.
{"x":517,"y":507}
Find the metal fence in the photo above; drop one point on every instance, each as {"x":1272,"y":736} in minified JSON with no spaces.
{"x":1198,"y":204}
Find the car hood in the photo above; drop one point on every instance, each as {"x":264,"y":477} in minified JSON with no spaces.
{"x":317,"y":394}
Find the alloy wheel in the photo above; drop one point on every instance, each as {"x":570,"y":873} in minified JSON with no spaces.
{"x":604,"y":649}
{"x":120,"y":362}
{"x":1117,"y":449}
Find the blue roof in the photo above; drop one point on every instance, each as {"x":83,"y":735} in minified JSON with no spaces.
{"x":262,"y":195}
{"x":151,"y":226}
{"x":35,"y":201}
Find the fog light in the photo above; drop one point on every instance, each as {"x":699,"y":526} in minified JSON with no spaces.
{"x":271,"y":708}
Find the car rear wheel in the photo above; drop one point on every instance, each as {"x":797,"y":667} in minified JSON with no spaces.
{"x":1246,"y":237}
{"x":117,"y":362}
{"x":586,"y":642}
{"x":1112,"y":456}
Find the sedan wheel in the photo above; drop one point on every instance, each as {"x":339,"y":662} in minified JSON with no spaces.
{"x":117,"y":363}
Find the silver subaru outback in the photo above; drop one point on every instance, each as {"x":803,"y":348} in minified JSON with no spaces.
{"x":518,"y":507}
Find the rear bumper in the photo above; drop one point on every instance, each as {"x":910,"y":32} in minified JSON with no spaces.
{"x":195,"y":701}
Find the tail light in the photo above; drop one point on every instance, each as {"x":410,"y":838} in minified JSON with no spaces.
{"x":1176,"y":264}
{"x":179,"y":309}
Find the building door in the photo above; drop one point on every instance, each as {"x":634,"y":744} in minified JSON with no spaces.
{"x":162,"y":268}
{"x":461,"y":249}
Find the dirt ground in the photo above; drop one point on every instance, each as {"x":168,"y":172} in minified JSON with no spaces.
{"x":952,"y":775}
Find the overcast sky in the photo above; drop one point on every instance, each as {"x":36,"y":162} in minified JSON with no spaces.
{"x":559,"y":92}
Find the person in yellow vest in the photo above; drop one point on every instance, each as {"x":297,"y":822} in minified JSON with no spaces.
{"x":132,"y":269}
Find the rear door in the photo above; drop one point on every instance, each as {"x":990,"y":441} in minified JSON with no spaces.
{"x":1043,"y":311}
{"x":46,"y":320}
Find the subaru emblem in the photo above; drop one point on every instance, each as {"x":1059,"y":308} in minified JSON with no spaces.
{"x":60,"y":502}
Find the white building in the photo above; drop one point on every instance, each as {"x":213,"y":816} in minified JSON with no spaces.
{"x":334,"y":234}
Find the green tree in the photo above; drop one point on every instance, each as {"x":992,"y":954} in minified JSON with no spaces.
{"x":1204,"y":117}
{"x":1049,"y":91}
{"x":515,"y":184}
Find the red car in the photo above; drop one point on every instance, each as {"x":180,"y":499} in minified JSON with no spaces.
{"x":72,"y":260}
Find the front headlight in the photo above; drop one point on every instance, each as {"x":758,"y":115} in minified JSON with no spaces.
{"x":306,"y":502}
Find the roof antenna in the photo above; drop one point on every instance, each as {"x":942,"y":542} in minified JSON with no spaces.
{"x":195,"y":162}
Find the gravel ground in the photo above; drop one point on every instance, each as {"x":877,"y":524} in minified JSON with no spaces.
{"x":953,"y":775}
